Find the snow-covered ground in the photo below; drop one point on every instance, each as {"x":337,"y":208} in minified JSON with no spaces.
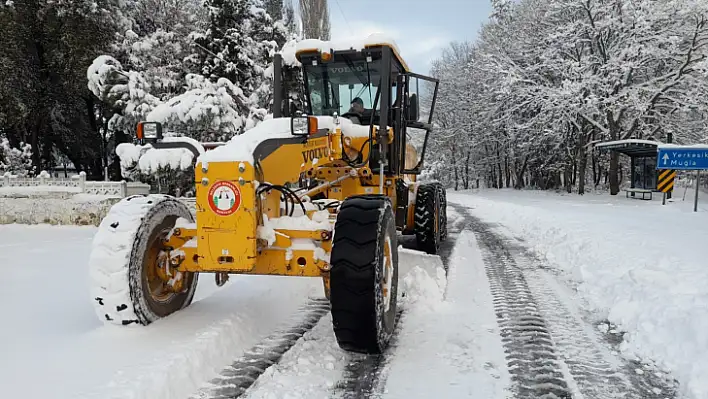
{"x":53,"y":346}
{"x":637,"y":263}
{"x":447,"y":344}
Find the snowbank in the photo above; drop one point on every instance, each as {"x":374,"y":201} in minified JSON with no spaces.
{"x":638,"y":264}
{"x":81,"y":209}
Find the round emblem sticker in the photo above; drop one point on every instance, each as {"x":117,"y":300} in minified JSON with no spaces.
{"x":224,"y":198}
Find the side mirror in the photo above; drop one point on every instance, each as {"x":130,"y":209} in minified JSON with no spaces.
{"x":303,"y":125}
{"x":413,"y":108}
{"x":149,"y":132}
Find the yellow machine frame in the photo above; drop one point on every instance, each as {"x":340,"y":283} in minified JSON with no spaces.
{"x":220,"y":249}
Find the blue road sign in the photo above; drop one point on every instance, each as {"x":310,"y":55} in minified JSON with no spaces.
{"x":682,"y":158}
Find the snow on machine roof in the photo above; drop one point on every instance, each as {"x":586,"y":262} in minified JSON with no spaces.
{"x":354,"y":43}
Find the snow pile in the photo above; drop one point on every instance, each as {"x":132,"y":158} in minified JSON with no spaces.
{"x":421,"y":278}
{"x":639,"y":265}
{"x":422,"y":289}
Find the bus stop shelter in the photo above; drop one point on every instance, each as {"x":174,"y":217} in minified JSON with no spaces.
{"x":642,"y":154}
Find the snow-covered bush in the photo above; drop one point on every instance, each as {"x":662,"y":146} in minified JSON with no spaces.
{"x":16,"y":161}
{"x":167,"y":171}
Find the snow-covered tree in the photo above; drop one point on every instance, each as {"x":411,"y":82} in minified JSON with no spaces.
{"x":547,"y":78}
{"x":16,"y":161}
{"x":46,"y":47}
{"x":314,"y":17}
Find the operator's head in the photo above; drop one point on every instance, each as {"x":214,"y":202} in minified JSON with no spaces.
{"x":357,"y":105}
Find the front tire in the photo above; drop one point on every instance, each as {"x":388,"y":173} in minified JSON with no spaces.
{"x":126,"y":251}
{"x":364,"y":275}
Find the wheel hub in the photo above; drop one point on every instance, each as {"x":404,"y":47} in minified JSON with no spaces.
{"x":163,"y":280}
{"x":387,"y":277}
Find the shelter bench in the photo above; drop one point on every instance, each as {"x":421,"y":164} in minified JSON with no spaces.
{"x":642,"y":191}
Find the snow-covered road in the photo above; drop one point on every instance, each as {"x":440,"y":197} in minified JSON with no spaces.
{"x":637,"y":264}
{"x":539,"y":291}
{"x":53,"y":346}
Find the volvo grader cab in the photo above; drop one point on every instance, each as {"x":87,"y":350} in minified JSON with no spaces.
{"x":323,"y":193}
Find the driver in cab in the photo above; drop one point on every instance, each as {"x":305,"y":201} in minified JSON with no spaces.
{"x":357,"y":108}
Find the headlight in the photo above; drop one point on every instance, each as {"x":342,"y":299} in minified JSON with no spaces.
{"x":299,"y":126}
{"x":149,"y":131}
{"x":303,"y":125}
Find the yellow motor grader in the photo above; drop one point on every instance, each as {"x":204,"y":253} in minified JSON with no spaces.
{"x":318,"y":194}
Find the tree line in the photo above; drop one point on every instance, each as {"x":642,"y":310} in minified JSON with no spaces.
{"x":77,"y":75}
{"x":523,"y":104}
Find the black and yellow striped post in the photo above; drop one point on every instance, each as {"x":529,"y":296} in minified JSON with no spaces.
{"x":665,"y":182}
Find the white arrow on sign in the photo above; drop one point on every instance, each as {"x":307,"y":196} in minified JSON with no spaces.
{"x":665,"y":158}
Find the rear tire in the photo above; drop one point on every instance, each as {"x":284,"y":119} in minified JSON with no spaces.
{"x":443,"y":211}
{"x":364,"y":275}
{"x":430,"y":217}
{"x":123,"y":289}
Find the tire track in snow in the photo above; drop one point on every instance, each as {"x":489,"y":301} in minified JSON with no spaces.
{"x":534,"y":365}
{"x":235,"y":379}
{"x":365,"y":375}
{"x":552,"y":352}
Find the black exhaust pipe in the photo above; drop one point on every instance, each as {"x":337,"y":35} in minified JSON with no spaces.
{"x":277,"y":86}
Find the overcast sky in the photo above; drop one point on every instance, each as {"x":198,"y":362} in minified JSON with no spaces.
{"x":420,"y":27}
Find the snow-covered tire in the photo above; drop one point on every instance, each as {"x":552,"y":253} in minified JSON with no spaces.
{"x":429,"y":217}
{"x":118,"y":282}
{"x":364,"y":274}
{"x":443,"y":210}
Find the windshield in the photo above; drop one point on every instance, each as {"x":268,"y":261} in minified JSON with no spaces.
{"x":332,"y":87}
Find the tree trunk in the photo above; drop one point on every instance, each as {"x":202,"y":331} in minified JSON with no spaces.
{"x":583,"y":162}
{"x":467,"y":170}
{"x":454,"y":166}
{"x":507,"y":171}
{"x":501,"y":170}
{"x":614,"y":165}
{"x":614,"y":128}
{"x":520,"y":174}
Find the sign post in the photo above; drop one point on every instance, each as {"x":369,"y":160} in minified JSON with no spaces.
{"x":695,"y":201}
{"x":682,"y":158}
{"x":665,"y":183}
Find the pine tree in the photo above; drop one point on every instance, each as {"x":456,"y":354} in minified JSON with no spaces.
{"x":274,"y":8}
{"x":46,"y":47}
{"x":226,"y":45}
